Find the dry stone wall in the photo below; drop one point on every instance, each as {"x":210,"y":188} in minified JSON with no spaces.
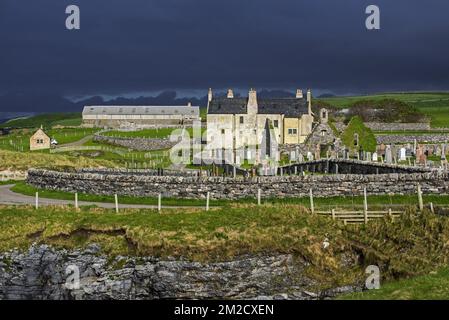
{"x":141,"y":144}
{"x":384,"y":126}
{"x":435,"y":182}
{"x":423,"y":138}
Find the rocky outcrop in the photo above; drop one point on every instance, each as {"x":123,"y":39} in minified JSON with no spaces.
{"x":46,"y":273}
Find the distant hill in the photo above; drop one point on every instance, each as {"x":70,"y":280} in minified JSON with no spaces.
{"x":46,"y":119}
{"x":43,"y":103}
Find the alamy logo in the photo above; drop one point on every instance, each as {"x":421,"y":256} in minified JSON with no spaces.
{"x":73,"y":277}
{"x":373,"y":280}
{"x":73,"y":20}
{"x":373,"y":20}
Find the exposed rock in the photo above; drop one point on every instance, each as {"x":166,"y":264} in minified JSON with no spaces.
{"x":40,"y":273}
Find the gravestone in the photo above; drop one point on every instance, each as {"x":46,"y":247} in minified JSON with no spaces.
{"x":388,"y":155}
{"x":318,"y":152}
{"x":402,"y":154}
{"x":300,"y":157}
{"x":309,"y":156}
{"x":374,"y":157}
{"x":292,"y":156}
{"x":421,"y":157}
{"x":381,"y":149}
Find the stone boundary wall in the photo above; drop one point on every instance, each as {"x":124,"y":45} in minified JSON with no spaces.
{"x":140,"y":144}
{"x":393,"y":126}
{"x":427,"y":138}
{"x":238,"y":188}
{"x":145,"y":172}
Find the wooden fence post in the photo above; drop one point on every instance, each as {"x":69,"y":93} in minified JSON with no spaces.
{"x":37,"y":200}
{"x":76,"y":200}
{"x":116,"y":203}
{"x":159,"y":202}
{"x":365,"y":206}
{"x":259,"y":193}
{"x":312,"y":209}
{"x":431,"y":208}
{"x":333,"y":214}
{"x":420,"y":201}
{"x":207,"y":200}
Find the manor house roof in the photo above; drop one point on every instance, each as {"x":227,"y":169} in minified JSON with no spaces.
{"x":290,"y":107}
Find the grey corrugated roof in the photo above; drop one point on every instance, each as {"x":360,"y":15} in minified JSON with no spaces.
{"x":144,"y":110}
{"x":291,"y":107}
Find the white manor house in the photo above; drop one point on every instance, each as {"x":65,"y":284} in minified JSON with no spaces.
{"x":236,"y":123}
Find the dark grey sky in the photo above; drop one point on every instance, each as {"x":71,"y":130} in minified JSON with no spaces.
{"x":127,"y":46}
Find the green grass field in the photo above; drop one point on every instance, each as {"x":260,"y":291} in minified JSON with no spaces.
{"x":432,"y":286}
{"x":69,"y":135}
{"x":19,"y":140}
{"x":435,"y":105}
{"x":381,"y":201}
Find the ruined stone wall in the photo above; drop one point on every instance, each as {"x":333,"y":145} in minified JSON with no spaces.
{"x":141,"y":144}
{"x":433,"y":182}
{"x":383,"y":126}
{"x":424,"y":138}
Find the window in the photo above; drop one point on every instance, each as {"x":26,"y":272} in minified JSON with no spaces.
{"x":222,"y":131}
{"x":292,"y":131}
{"x":241,"y":119}
{"x":276,"y":123}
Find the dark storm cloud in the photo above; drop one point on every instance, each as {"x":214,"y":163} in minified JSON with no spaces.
{"x":147,"y":45}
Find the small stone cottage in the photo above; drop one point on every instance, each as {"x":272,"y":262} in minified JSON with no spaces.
{"x":40,"y":140}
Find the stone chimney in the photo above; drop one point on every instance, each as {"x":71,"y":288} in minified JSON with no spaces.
{"x":252,"y":102}
{"x":299,"y":94}
{"x":309,"y":100}
{"x":209,"y":95}
{"x":209,"y":98}
{"x":230,"y":94}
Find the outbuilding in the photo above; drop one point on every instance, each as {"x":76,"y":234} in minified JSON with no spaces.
{"x":40,"y":140}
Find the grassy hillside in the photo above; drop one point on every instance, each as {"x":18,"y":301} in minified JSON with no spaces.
{"x":432,"y":286}
{"x":47,"y":120}
{"x":414,"y":245}
{"x":22,"y":161}
{"x":19,"y":140}
{"x":435,"y":105}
